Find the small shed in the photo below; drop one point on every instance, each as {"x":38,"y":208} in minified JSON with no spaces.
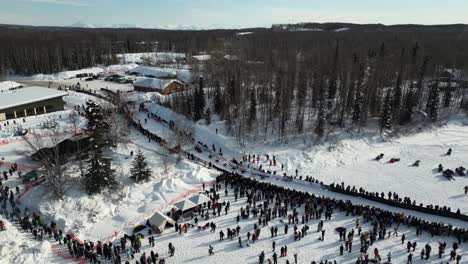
{"x":160,"y":221}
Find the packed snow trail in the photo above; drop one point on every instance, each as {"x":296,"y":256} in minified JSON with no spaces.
{"x":305,"y":186}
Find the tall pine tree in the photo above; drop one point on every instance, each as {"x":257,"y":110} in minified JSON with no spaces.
{"x":432,"y":107}
{"x":207,"y":116}
{"x":140,"y":170}
{"x":199,"y":101}
{"x":321,"y":120}
{"x":332,"y":82}
{"x":321,"y":115}
{"x":448,"y":94}
{"x":386,"y":116}
{"x":100,"y":174}
{"x":359,"y":98}
{"x":218,"y":100}
{"x":253,"y":109}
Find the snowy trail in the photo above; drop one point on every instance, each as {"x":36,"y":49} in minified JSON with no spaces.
{"x":155,"y":126}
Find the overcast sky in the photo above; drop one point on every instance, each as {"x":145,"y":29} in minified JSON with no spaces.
{"x":230,"y":13}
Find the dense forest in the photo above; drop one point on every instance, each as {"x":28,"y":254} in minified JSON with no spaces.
{"x":277,"y":82}
{"x":28,"y":50}
{"x":287,"y":83}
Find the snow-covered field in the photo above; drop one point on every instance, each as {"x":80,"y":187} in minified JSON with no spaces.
{"x":165,"y":57}
{"x":351,"y":160}
{"x":192,"y":247}
{"x":17,"y":247}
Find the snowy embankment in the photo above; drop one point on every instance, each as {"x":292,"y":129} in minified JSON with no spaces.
{"x":17,"y":247}
{"x":7,"y":85}
{"x":98,"y":217}
{"x":351,"y":160}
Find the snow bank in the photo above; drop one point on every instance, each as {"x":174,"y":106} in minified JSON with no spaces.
{"x":16,"y":247}
{"x":7,"y":85}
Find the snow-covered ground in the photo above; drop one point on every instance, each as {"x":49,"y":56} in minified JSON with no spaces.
{"x":17,"y":247}
{"x":65,"y":75}
{"x":164,"y":57}
{"x":350,"y":160}
{"x":192,"y":247}
{"x":7,"y":85}
{"x":101,"y":217}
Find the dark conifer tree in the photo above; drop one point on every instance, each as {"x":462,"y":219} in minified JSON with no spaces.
{"x":432,"y":107}
{"x":207,"y":116}
{"x":199,"y":101}
{"x":253,"y":109}
{"x":386,"y":116}
{"x":321,"y":120}
{"x":359,"y":98}
{"x":448,"y":94}
{"x":332,"y":83}
{"x":100,"y":174}
{"x":218,"y":100}
{"x":140,"y":170}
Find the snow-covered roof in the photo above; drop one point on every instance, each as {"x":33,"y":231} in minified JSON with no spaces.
{"x":154,"y":71}
{"x":231,"y":57}
{"x":185,"y":205}
{"x":184,"y":76}
{"x":153,"y":83}
{"x":7,"y":85}
{"x":27,"y":95}
{"x":199,"y":199}
{"x":203,"y":57}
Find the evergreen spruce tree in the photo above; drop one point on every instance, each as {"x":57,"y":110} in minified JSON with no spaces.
{"x":140,"y":170}
{"x":357,"y":107}
{"x":321,"y":120}
{"x":100,"y":174}
{"x":409,"y":104}
{"x":396,"y":104}
{"x":201,"y":94}
{"x":359,"y":98}
{"x":218,"y":100}
{"x":199,"y":101}
{"x":332,"y":82}
{"x":432,"y":106}
{"x":207,"y":116}
{"x":386,"y":116}
{"x":448,"y":94}
{"x":253,"y":109}
{"x":98,"y":127}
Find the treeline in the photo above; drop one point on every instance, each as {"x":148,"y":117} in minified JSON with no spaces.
{"x":276,"y":83}
{"x":29,"y":50}
{"x":280,"y":84}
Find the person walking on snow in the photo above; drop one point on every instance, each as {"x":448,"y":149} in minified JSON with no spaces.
{"x":210,"y":250}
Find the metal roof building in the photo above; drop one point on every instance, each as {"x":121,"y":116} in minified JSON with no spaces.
{"x":30,"y":101}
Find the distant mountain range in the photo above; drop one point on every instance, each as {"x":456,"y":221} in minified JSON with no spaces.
{"x":306,"y":26}
{"x":339,"y":27}
{"x":168,"y":27}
